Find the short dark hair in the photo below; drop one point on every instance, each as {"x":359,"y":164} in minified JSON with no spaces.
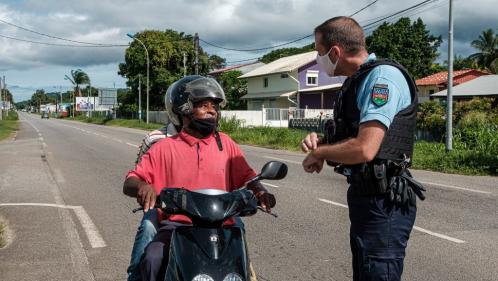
{"x":344,"y":31}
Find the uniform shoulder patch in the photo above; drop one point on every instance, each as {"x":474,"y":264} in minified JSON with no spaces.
{"x":380,"y":94}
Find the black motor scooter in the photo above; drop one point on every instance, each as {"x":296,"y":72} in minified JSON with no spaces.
{"x":207,"y":250}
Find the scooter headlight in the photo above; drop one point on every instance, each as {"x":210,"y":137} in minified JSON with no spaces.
{"x":232,"y":277}
{"x":203,"y":277}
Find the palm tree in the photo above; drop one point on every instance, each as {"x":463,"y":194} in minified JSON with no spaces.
{"x":79,"y":77}
{"x":487,"y":44}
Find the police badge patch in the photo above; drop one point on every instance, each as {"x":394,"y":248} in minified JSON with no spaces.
{"x":380,"y":94}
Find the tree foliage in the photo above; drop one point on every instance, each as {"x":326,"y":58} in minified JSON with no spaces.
{"x":487,"y":57}
{"x":78,"y":77}
{"x":285,"y":52}
{"x":411,"y":44}
{"x":216,"y":62}
{"x":166,"y":50}
{"x":234,"y":89}
{"x":40,"y":97}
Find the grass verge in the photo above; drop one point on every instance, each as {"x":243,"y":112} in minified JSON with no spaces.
{"x":8,"y":124}
{"x":118,"y":122}
{"x":433,"y":156}
{"x":3,"y":240}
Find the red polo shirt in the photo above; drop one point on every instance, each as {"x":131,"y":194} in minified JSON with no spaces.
{"x":192,"y":163}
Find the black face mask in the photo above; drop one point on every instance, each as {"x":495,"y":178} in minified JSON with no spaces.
{"x":204,"y":126}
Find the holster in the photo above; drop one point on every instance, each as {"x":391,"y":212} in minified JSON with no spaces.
{"x":384,"y":177}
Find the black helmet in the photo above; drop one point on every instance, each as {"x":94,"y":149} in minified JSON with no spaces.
{"x":182,"y":94}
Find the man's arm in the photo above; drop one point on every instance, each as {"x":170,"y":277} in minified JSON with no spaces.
{"x":357,"y":150}
{"x":266,"y":199}
{"x":144,"y":192}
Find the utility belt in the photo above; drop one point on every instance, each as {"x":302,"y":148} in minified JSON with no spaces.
{"x":383,"y":177}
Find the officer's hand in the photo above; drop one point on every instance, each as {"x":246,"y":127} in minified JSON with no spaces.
{"x":310,"y":142}
{"x":312,"y":163}
{"x":146,"y":196}
{"x":266,"y":200}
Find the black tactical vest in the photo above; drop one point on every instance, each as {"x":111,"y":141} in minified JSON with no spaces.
{"x":399,"y":138}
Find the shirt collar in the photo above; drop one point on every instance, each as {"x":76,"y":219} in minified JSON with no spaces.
{"x":370,"y":57}
{"x":191,"y":140}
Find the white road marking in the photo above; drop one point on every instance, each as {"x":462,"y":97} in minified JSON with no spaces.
{"x":131,"y":144}
{"x":423,"y":182}
{"x":442,"y":236}
{"x":58,"y":175}
{"x":438,"y":235}
{"x":281,"y":159}
{"x":455,"y":187}
{"x":91,"y":230}
{"x":92,"y":233}
{"x":269,"y":184}
{"x":333,"y":203}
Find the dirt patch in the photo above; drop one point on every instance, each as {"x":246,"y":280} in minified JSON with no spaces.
{"x":5,"y":233}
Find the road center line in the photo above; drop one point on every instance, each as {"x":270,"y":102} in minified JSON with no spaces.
{"x":269,"y":184}
{"x":442,"y":236}
{"x":423,"y":182}
{"x":455,"y":187}
{"x":131,"y":144}
{"x":281,"y":159}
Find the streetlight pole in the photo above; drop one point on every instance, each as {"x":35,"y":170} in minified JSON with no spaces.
{"x":147,"y":55}
{"x":449,"y":99}
{"x":74,"y":102}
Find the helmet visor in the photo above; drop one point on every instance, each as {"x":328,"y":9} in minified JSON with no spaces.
{"x":205,"y":88}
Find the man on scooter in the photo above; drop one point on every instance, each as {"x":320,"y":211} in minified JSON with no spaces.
{"x":198,"y":157}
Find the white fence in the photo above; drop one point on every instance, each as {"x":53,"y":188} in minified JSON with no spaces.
{"x":272,"y":117}
{"x":275,"y":117}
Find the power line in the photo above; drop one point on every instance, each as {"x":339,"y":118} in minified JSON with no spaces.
{"x":275,"y":46}
{"x":363,"y":8}
{"x":56,"y":37}
{"x":399,"y":12}
{"x":61,"y":45}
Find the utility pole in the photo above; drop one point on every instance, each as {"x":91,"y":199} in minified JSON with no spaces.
{"x":449,"y":99}
{"x":5,"y":96}
{"x":184,"y":64}
{"x":139,"y":99}
{"x":196,"y":46}
{"x":1,"y":99}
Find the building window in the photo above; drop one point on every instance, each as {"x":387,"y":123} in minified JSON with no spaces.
{"x":312,"y":78}
{"x":265,"y":82}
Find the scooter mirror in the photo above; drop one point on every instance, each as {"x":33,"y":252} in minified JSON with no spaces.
{"x":273,"y":170}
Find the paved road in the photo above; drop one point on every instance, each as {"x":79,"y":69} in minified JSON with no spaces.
{"x":60,"y":190}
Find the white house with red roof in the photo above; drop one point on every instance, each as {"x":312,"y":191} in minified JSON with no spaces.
{"x":439,"y":81}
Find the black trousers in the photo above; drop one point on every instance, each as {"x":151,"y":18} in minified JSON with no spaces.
{"x":379,"y":235}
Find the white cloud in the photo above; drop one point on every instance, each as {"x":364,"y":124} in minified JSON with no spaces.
{"x":230,"y":23}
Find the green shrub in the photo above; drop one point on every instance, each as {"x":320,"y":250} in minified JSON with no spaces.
{"x":230,"y":125}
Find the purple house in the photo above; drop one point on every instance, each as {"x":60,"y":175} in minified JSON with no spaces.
{"x":294,"y":81}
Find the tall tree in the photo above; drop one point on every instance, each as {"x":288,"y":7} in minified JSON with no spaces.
{"x":285,"y":52}
{"x":39,"y":98}
{"x":216,"y":62}
{"x":79,"y":77}
{"x":411,"y":44}
{"x":166,"y":49}
{"x":487,"y":44}
{"x":234,"y":89}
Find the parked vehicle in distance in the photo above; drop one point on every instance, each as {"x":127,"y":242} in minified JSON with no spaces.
{"x":44,"y":114}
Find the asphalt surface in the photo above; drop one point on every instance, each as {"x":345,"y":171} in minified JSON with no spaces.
{"x":61,"y":193}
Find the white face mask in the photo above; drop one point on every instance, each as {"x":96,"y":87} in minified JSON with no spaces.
{"x":326,"y":64}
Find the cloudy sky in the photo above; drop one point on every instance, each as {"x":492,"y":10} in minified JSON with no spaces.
{"x":238,"y":24}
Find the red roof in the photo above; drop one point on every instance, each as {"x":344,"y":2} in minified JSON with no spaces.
{"x":459,"y":76}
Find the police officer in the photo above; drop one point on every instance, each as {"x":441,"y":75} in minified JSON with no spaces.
{"x":370,"y":141}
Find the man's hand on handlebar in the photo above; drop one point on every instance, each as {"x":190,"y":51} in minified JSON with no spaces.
{"x":266,"y":200}
{"x":146,"y":196}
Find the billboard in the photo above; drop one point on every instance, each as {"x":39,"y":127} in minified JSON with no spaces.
{"x":108,"y":96}
{"x":91,"y":104}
